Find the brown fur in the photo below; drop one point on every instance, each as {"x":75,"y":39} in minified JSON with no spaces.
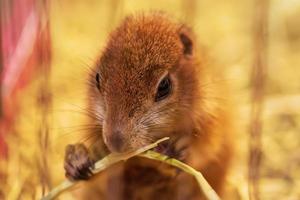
{"x":138,"y":54}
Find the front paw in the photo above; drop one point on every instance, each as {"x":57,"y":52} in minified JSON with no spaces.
{"x":174,"y":148}
{"x":78,"y":164}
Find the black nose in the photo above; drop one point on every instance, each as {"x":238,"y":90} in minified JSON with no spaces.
{"x":117,"y":142}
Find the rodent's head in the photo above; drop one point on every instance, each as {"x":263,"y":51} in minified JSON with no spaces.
{"x":144,"y":82}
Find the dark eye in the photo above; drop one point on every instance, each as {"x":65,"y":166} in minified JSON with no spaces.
{"x":98,"y":81}
{"x":164,"y":89}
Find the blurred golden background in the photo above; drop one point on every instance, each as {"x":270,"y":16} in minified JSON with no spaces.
{"x":50,"y":109}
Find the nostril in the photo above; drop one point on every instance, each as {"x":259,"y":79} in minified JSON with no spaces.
{"x":117,"y":141}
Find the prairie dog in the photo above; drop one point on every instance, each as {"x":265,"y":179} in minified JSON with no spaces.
{"x":152,"y":81}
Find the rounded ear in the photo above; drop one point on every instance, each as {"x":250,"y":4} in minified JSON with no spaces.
{"x":187,"y":39}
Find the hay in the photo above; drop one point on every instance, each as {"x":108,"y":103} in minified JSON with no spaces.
{"x":144,"y":152}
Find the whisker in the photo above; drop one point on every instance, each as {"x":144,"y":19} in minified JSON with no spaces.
{"x":88,"y":112}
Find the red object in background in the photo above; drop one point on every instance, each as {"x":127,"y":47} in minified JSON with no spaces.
{"x":24,"y":46}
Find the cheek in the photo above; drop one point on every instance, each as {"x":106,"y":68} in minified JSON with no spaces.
{"x":158,"y":121}
{"x":99,"y":111}
{"x":104,"y":132}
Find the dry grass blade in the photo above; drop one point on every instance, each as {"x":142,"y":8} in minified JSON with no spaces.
{"x":209,"y":193}
{"x":259,"y":72}
{"x":100,"y":166}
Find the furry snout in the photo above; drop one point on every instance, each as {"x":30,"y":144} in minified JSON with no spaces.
{"x":117,"y":142}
